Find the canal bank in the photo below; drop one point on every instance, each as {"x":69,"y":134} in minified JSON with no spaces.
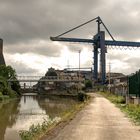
{"x":35,"y":132}
{"x":67,"y":117}
{"x":100,"y":120}
{"x":20,"y":114}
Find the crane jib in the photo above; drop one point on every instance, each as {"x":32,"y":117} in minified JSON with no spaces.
{"x":107,"y":42}
{"x":122,"y":43}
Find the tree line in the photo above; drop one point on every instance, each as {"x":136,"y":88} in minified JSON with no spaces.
{"x":8,"y":89}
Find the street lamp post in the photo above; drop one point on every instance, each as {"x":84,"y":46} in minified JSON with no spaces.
{"x":79,"y":71}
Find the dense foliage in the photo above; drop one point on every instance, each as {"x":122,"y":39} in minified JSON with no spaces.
{"x":51,"y":72}
{"x":8,"y":89}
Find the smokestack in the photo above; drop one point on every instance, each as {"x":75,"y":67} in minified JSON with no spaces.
{"x":2,"y":61}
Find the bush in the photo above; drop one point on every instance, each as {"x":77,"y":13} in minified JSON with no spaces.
{"x":12,"y":93}
{"x":82,"y":96}
{"x":88,"y":84}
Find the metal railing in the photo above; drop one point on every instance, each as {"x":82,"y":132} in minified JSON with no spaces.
{"x":46,"y":79}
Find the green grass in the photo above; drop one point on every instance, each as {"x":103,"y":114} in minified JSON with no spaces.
{"x":113,"y":98}
{"x":131,"y":110}
{"x":37,"y":130}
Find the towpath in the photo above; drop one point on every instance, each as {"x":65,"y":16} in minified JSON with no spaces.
{"x":100,"y":120}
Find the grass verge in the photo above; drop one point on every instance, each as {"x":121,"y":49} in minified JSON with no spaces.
{"x":113,"y":98}
{"x":131,"y":110}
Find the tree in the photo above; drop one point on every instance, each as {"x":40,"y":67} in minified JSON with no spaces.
{"x":51,"y":72}
{"x":7,"y":72}
{"x":3,"y":85}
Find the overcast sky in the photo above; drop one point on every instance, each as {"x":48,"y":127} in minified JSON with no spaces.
{"x":26,"y":25}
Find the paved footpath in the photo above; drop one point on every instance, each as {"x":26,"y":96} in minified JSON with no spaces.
{"x":100,"y":120}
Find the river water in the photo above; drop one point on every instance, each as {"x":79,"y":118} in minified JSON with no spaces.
{"x":30,"y":109}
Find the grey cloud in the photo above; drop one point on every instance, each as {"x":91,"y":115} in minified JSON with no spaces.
{"x":47,"y":49}
{"x":127,"y":64}
{"x":23,"y":69}
{"x":75,"y":47}
{"x":117,"y":55}
{"x":22,"y":21}
{"x":133,"y":63}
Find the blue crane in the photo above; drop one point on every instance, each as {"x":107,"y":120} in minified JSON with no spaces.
{"x":98,"y":42}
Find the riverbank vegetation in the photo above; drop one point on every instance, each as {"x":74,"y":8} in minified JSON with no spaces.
{"x":36,"y":132}
{"x":8,"y":90}
{"x":131,"y":110}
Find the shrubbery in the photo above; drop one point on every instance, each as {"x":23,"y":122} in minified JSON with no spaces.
{"x":36,"y":130}
{"x":82,"y":96}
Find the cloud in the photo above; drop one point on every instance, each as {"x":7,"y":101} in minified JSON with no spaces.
{"x":23,"y":69}
{"x":20,"y":67}
{"x":45,"y":48}
{"x":28,"y":64}
{"x":27,"y":25}
{"x":38,"y":20}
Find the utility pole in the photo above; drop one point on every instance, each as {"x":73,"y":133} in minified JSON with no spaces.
{"x":68,"y":65}
{"x":109,"y":76}
{"x":79,"y":63}
{"x":79,"y":71}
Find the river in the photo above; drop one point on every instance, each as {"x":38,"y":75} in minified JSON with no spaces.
{"x":30,"y":109}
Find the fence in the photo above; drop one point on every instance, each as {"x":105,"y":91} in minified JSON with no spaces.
{"x":134,"y":84}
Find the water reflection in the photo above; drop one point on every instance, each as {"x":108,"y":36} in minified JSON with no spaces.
{"x":21,"y":114}
{"x":8,"y":116}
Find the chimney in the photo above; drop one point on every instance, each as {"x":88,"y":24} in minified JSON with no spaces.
{"x":2,"y":61}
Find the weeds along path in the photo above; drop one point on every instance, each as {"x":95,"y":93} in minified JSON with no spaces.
{"x":100,"y":120}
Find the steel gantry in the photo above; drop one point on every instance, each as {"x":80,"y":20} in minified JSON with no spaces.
{"x":98,"y":42}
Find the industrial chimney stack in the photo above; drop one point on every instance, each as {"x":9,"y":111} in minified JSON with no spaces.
{"x":2,"y":61}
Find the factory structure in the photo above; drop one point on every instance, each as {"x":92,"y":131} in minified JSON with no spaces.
{"x":2,"y":61}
